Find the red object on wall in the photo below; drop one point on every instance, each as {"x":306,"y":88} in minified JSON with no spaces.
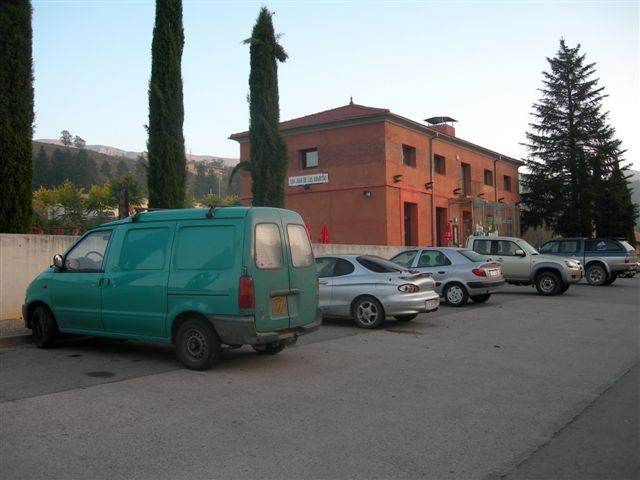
{"x":324,"y":234}
{"x":447,"y":234}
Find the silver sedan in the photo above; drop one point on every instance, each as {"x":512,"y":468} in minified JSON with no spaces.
{"x":368,"y":289}
{"x":460,"y":274}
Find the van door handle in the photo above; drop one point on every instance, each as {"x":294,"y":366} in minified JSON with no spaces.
{"x":104,"y":282}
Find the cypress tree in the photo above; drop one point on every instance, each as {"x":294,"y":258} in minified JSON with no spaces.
{"x":573,"y":185}
{"x":268,"y":157}
{"x":16,"y":115}
{"x":167,"y":164}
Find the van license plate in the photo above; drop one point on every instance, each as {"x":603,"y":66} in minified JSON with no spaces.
{"x":279,"y":306}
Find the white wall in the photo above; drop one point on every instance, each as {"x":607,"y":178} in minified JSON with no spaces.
{"x":23,"y":257}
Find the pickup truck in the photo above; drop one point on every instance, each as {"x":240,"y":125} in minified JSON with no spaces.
{"x":604,"y":259}
{"x":521,"y":264}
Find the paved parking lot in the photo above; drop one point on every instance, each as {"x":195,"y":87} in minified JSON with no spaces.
{"x":522,"y":387}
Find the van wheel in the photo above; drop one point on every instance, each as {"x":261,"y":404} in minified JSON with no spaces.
{"x":270,"y":348}
{"x":197,"y":345}
{"x":405,"y":318}
{"x":367,"y":312}
{"x":596,"y":275}
{"x":43,"y":327}
{"x":456,"y":295}
{"x":480,"y":298}
{"x":548,"y":283}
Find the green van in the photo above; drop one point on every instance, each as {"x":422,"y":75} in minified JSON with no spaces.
{"x":197,"y":278}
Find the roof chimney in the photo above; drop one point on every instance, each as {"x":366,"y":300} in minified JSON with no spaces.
{"x":442,"y":125}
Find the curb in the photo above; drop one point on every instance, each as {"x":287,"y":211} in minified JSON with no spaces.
{"x":14,"y":340}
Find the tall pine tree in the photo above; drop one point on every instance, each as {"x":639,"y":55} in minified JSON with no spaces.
{"x":167,"y":164}
{"x":16,"y":115}
{"x":268,"y":157}
{"x":575,"y":184}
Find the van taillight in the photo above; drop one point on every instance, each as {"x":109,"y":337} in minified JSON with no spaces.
{"x":245,"y":292}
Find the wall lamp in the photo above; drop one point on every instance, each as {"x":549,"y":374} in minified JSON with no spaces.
{"x":307,"y":187}
{"x":397,"y":178}
{"x":481,"y":194}
{"x":456,"y":191}
{"x":428,"y":185}
{"x":367,"y":193}
{"x":501,"y":200}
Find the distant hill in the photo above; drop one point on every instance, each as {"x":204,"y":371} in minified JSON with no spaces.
{"x":118,"y":152}
{"x":99,"y":157}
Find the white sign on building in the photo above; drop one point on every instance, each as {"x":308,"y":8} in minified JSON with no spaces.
{"x":308,"y":179}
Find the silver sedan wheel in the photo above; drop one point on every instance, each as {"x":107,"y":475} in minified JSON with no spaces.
{"x":455,"y":294}
{"x":367,"y":313}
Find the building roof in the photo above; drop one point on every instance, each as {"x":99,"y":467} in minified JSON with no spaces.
{"x":352,"y":113}
{"x":347,"y":112}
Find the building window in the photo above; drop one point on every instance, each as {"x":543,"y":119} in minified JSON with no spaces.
{"x":488,"y":178}
{"x":309,"y":158}
{"x":507,"y":183}
{"x":409,"y":155}
{"x":439,"y":164}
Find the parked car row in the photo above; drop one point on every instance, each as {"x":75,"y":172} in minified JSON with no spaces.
{"x":204,"y":278}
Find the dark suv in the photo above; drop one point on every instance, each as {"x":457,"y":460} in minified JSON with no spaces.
{"x":603,"y":258}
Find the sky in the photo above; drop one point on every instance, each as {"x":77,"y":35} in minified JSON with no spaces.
{"x":478,"y":62}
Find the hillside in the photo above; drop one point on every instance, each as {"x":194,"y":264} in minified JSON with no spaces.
{"x":117,"y":152}
{"x":49,"y":148}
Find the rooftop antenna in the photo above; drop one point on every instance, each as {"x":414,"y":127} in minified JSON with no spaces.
{"x":351,"y":100}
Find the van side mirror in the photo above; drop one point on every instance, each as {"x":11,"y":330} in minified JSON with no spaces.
{"x":520,"y":253}
{"x":58,"y":261}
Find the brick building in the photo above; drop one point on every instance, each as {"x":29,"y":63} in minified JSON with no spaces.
{"x":374,"y":177}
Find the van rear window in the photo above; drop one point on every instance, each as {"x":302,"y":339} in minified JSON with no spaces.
{"x":301,"y":253}
{"x":267,"y":246}
{"x":205,"y":248}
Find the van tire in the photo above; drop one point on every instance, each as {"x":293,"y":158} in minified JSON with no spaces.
{"x":367,"y":312}
{"x":596,"y":274}
{"x":270,"y":348}
{"x":405,"y":318}
{"x":548,"y":283}
{"x":43,"y":327}
{"x":197,"y":345}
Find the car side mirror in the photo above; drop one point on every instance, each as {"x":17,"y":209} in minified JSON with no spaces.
{"x":58,"y":262}
{"x":520,"y":253}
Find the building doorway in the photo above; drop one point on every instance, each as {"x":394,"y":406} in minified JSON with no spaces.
{"x":467,"y":227}
{"x":441,"y":226}
{"x":410,"y":224}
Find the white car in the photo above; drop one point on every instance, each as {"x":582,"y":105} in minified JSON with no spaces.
{"x":368,"y":289}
